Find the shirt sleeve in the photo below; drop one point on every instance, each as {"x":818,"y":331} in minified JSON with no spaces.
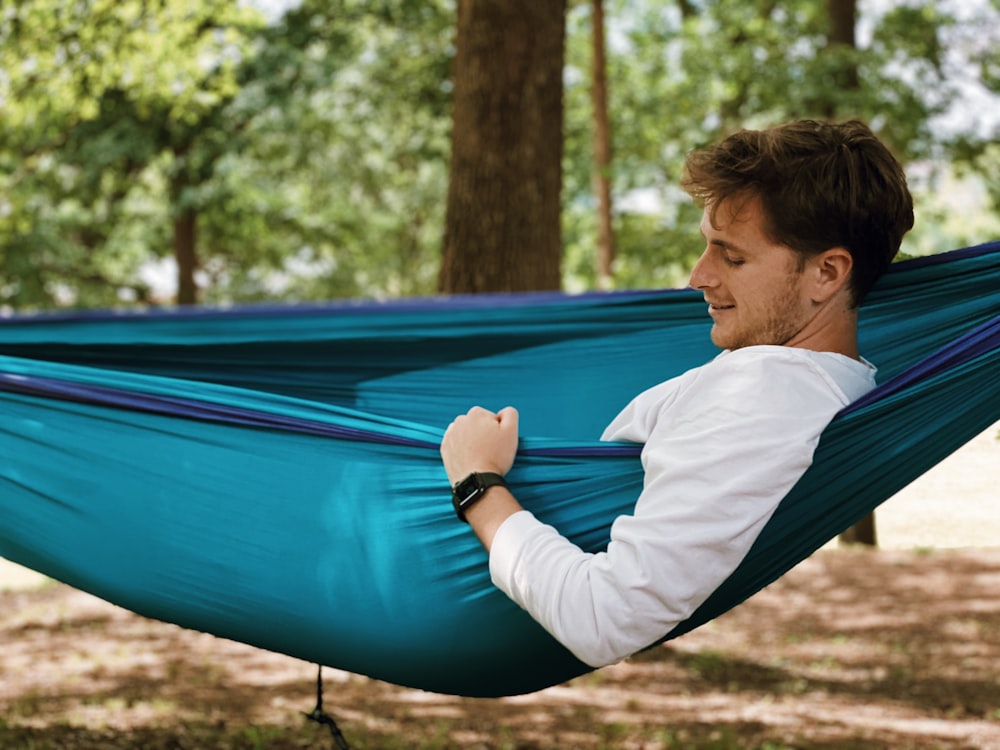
{"x":719,"y":457}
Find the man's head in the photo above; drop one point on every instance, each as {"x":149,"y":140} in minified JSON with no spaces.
{"x":818,"y":186}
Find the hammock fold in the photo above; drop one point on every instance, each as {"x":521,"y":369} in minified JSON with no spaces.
{"x":271,"y":474}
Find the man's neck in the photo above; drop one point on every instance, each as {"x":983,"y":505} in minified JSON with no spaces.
{"x":829,"y":332}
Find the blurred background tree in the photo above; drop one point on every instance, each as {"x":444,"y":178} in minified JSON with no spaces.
{"x":194,"y":143}
{"x":115,"y":117}
{"x":221,"y":152}
{"x":683,"y":74}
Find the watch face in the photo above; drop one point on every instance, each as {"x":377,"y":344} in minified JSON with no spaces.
{"x":467,"y":489}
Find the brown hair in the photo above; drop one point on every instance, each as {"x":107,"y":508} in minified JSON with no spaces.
{"x":820,"y":185}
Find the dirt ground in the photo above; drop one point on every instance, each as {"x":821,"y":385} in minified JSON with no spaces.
{"x":854,"y":649}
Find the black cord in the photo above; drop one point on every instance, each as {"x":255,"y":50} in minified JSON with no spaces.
{"x":321,"y":717}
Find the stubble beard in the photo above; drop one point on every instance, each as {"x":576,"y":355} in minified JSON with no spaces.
{"x":775,"y":325}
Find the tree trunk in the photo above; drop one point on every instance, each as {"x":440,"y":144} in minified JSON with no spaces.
{"x":842,"y":15}
{"x":502,"y":222}
{"x":863,"y":532}
{"x":602,"y":151}
{"x":687,"y":8}
{"x":842,"y":18}
{"x":185,"y":249}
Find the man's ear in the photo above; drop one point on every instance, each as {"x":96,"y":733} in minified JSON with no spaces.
{"x":830,"y":272}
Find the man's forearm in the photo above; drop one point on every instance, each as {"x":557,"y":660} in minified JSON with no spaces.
{"x":487,"y":515}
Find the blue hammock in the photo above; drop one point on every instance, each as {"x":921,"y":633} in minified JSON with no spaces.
{"x":271,"y":474}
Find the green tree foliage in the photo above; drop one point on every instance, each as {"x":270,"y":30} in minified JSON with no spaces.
{"x":97,"y":94}
{"x":975,"y":149}
{"x":682,"y":75}
{"x":340,"y":191}
{"x":310,"y":152}
{"x":291,"y":149}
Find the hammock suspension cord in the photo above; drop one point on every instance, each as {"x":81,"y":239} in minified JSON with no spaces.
{"x":322,"y":717}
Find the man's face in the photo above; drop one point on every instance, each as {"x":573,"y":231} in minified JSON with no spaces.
{"x":754,"y":286}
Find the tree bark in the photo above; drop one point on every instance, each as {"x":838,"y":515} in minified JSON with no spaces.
{"x":863,"y":532}
{"x":842,"y":17}
{"x":185,"y":252}
{"x":502,"y":221}
{"x":687,"y":8}
{"x":602,"y":151}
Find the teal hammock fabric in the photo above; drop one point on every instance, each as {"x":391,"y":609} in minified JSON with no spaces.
{"x":271,"y":474}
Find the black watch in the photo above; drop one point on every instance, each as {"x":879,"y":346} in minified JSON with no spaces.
{"x":470,"y":490}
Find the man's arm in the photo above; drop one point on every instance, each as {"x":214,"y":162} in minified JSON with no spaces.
{"x":483,"y":441}
{"x":718,"y":459}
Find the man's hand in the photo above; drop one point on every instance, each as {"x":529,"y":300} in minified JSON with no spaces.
{"x":480,"y":441}
{"x":483,"y":441}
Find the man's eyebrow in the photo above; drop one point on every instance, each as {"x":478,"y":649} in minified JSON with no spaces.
{"x":727,"y":245}
{"x":718,"y":241}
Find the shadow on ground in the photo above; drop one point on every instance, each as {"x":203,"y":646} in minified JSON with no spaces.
{"x":852,"y":650}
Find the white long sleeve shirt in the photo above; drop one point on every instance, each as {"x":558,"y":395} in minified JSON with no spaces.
{"x":724,"y":443}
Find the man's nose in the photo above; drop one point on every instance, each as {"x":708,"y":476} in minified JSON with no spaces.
{"x":702,"y":275}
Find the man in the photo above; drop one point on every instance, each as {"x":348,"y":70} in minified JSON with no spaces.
{"x":799,"y":221}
